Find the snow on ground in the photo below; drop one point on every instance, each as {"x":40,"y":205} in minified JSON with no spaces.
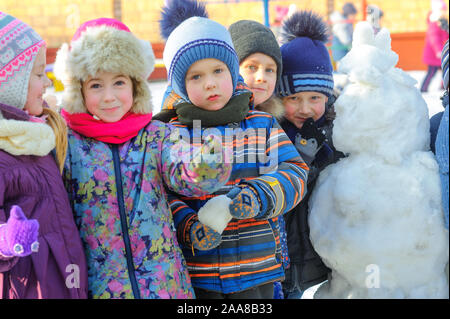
{"x":432,"y":98}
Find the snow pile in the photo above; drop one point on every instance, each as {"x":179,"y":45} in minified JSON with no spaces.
{"x":376,"y":217}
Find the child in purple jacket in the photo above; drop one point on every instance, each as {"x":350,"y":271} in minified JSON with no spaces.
{"x":41,"y":255}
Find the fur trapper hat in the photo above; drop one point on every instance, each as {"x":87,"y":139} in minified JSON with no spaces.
{"x":104,"y":45}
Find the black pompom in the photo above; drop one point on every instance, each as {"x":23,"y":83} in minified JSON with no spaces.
{"x":176,"y":12}
{"x":304,"y":24}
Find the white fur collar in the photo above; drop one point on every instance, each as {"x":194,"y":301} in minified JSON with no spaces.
{"x":26,"y":138}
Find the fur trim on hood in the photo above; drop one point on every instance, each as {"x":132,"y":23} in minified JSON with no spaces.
{"x":104,"y":48}
{"x":274,"y":106}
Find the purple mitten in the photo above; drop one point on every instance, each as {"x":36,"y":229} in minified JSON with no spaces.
{"x":18,"y":237}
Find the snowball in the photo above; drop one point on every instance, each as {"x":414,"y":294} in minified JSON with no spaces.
{"x":216,"y":213}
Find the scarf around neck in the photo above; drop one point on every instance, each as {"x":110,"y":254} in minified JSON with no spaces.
{"x":234,"y":111}
{"x":115,"y":133}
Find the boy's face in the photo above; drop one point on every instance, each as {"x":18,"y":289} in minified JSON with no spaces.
{"x":260,"y":74}
{"x":209,"y":84}
{"x":303,"y":105}
{"x":37,"y":85}
{"x":109,"y":96}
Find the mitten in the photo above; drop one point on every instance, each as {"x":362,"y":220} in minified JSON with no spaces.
{"x":199,"y":236}
{"x":309,"y":140}
{"x":216,"y":213}
{"x":244,"y":202}
{"x":18,"y":237}
{"x":208,"y":161}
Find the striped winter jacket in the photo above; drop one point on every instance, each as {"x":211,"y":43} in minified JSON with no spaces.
{"x":250,"y":253}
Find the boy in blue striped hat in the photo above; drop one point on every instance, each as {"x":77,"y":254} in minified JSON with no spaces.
{"x":306,"y":82}
{"x":306,"y":91}
{"x":230,"y":239}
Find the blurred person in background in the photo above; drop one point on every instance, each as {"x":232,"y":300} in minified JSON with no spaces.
{"x":437,"y":34}
{"x":342,"y":29}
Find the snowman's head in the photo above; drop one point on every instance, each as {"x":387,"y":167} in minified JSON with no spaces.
{"x":380,"y":111}
{"x":370,"y":57}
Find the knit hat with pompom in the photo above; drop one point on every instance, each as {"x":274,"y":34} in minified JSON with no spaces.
{"x":306,"y":61}
{"x":191,"y":37}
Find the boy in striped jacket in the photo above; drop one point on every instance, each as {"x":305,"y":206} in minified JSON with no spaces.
{"x":230,"y":239}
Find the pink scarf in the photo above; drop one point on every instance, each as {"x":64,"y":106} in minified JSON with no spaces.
{"x":115,"y":133}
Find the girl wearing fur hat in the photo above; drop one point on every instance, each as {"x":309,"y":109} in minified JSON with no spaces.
{"x":118,"y":162}
{"x":243,"y":258}
{"x":41,"y":254}
{"x":306,"y":90}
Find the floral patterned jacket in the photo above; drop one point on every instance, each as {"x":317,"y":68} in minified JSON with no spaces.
{"x":118,"y":197}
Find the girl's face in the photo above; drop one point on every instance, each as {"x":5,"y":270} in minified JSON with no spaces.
{"x":260,"y":74}
{"x":108,"y":96}
{"x":303,"y":105}
{"x":37,"y":85}
{"x":209,"y":84}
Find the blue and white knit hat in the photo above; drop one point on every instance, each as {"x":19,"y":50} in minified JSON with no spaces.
{"x":306,"y":61}
{"x":194,"y":39}
{"x":444,"y":65}
{"x":19,"y":46}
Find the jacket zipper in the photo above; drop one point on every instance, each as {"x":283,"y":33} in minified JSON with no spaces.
{"x":123,"y":222}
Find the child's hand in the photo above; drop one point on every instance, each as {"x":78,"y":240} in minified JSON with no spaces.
{"x":212,"y":152}
{"x":203,"y":237}
{"x":18,"y":237}
{"x":309,"y":140}
{"x":244,"y":202}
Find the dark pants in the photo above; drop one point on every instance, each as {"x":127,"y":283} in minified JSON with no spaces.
{"x":428,"y":77}
{"x":291,"y":289}
{"x":259,"y":292}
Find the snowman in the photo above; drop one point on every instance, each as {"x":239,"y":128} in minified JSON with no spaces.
{"x":376,"y":218}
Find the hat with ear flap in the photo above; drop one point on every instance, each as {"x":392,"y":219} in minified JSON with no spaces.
{"x":104,"y":45}
{"x":190,"y":37}
{"x":19,"y":46}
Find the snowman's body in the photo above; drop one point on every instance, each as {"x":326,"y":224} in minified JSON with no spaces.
{"x":376,"y":216}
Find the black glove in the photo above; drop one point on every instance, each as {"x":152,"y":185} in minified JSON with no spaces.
{"x":309,"y":140}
